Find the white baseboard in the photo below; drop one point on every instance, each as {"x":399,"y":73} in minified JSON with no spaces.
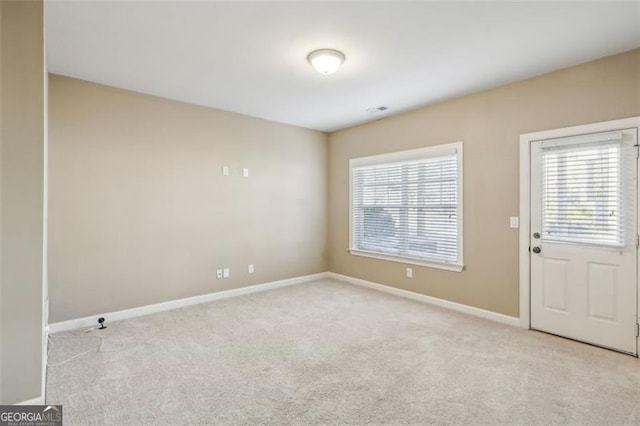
{"x":35,"y":401}
{"x":179,"y":303}
{"x":494,"y":316}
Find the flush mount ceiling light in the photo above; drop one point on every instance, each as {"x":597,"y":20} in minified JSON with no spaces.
{"x":326,"y":61}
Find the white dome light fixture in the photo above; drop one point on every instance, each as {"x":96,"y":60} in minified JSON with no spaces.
{"x":326,"y":61}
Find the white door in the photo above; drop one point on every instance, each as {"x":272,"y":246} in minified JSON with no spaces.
{"x":584,"y":238}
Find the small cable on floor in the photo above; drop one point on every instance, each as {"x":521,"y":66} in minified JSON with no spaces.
{"x":100,"y":347}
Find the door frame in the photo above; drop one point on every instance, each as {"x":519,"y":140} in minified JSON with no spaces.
{"x":525,"y":193}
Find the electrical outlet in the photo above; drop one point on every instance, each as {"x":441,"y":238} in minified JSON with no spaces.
{"x":219,"y":274}
{"x":409,"y":272}
{"x":226,"y":273}
{"x":252,"y":269}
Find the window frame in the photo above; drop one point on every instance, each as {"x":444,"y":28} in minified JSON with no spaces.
{"x":405,"y":156}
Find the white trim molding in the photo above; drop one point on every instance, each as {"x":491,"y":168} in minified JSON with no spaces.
{"x":45,"y":361}
{"x":35,"y":401}
{"x":90,"y":321}
{"x":525,"y":194}
{"x":458,"y":307}
{"x":408,"y":260}
{"x":45,"y":229}
{"x":210,"y":297}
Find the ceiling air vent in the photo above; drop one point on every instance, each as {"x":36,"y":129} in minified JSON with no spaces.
{"x":377,"y":110}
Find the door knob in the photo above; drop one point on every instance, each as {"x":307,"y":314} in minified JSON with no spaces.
{"x":536,"y":250}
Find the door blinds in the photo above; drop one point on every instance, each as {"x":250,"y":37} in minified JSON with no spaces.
{"x":583,"y":190}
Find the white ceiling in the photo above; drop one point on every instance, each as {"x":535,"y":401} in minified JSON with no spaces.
{"x":250,"y":58}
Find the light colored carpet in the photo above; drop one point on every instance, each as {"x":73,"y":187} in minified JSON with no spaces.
{"x":332,"y":353}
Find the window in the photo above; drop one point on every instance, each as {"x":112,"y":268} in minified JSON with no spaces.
{"x":583,"y":186}
{"x":407,"y":206}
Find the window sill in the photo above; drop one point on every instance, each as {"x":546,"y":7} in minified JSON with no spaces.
{"x":408,"y":260}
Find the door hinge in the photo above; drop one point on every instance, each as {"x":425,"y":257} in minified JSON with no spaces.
{"x":637,"y":241}
{"x":637,"y":330}
{"x":637,"y":151}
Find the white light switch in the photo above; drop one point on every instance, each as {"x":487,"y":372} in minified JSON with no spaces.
{"x":226,"y":273}
{"x":245,"y":172}
{"x":252,"y":269}
{"x":409,"y":273}
{"x":225,"y":170}
{"x":513,"y":222}
{"x":219,"y":274}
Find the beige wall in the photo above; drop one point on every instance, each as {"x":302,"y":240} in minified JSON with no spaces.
{"x":139,"y":212}
{"x":1,"y":326}
{"x":489,"y":123}
{"x":22,"y":185}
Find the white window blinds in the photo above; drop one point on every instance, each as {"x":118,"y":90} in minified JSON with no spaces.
{"x":408,"y":208}
{"x":583,"y":191}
